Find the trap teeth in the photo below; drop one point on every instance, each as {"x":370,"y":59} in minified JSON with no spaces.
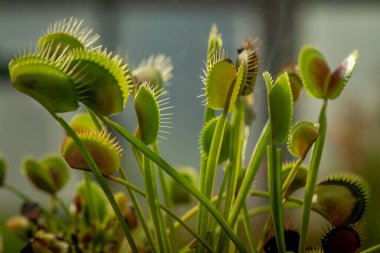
{"x":342,"y":198}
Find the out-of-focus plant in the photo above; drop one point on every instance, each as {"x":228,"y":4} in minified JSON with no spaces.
{"x":66,"y":71}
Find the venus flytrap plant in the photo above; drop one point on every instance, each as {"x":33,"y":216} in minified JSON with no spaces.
{"x":319,"y":82}
{"x":48,"y":76}
{"x":280,"y":104}
{"x":222,"y":87}
{"x":65,"y":71}
{"x":148,"y":116}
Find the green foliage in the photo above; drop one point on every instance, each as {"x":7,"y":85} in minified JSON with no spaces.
{"x":148,"y":114}
{"x":302,"y":137}
{"x":249,"y":56}
{"x":206,"y":139}
{"x":178,"y":194}
{"x":91,"y":199}
{"x":106,"y":89}
{"x":105,"y":151}
{"x":317,"y":77}
{"x":220,"y":78}
{"x":49,"y":79}
{"x":280,"y":106}
{"x":49,"y":175}
{"x":67,"y":35}
{"x":299,"y":180}
{"x":65,"y":71}
{"x":341,"y":198}
{"x":83,"y":122}
{"x":156,"y":70}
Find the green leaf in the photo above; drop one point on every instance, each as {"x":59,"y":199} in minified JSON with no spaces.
{"x":98,"y":200}
{"x":296,"y":85}
{"x":83,"y":122}
{"x":299,"y":180}
{"x":57,"y":169}
{"x":156,"y":70}
{"x":148,"y":114}
{"x":219,"y":80}
{"x":341,"y":75}
{"x":68,"y":34}
{"x":249,"y":56}
{"x":38,"y":176}
{"x":302,"y":137}
{"x":47,"y":80}
{"x":341,"y":198}
{"x":268,"y":81}
{"x":107,"y":81}
{"x":206,"y":139}
{"x":105,"y":151}
{"x":315,"y":72}
{"x":275,"y":191}
{"x":179,"y":194}
{"x":281,"y":108}
{"x":49,"y":175}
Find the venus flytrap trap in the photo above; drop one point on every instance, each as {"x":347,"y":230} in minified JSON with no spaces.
{"x":66,"y":71}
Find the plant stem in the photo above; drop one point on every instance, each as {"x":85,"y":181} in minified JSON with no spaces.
{"x":177,"y":177}
{"x":236,"y":147}
{"x":139,"y":210}
{"x":17,"y":192}
{"x":289,"y":179}
{"x":236,"y":144}
{"x":179,"y":220}
{"x":253,"y":167}
{"x":372,"y":249}
{"x":168,"y":203}
{"x":275,"y":191}
{"x":312,"y":176}
{"x":92,"y":212}
{"x":248,"y":229}
{"x":154,"y":206}
{"x":212,"y":164}
{"x":99,"y":178}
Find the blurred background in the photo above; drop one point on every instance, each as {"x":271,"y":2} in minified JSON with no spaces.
{"x":180,"y":30}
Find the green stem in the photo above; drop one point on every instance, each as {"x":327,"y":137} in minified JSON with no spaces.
{"x":154,"y":205}
{"x":253,"y":167}
{"x":249,"y":230}
{"x":212,"y":164}
{"x":236,"y":144}
{"x":92,"y":212}
{"x":220,"y":197}
{"x":17,"y":192}
{"x":177,"y":177}
{"x":168,"y":203}
{"x":245,"y":188}
{"x":312,"y":176}
{"x":202,"y":176}
{"x":131,"y":188}
{"x":208,"y":115}
{"x":64,"y":208}
{"x":179,"y":220}
{"x":289,"y":179}
{"x":266,"y":209}
{"x":98,"y":175}
{"x":275,"y":191}
{"x":375,"y":248}
{"x":236,"y":147}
